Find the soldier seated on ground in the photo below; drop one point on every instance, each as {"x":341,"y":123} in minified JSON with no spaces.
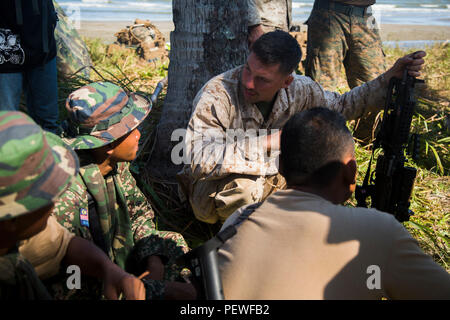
{"x":232,"y":139}
{"x":104,"y":203}
{"x":301,"y":243}
{"x":36,"y":168}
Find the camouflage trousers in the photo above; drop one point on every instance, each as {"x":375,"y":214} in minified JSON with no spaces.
{"x":335,"y":40}
{"x":214,"y":200}
{"x":155,"y":289}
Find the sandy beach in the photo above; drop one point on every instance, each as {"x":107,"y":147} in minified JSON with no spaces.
{"x":105,"y":30}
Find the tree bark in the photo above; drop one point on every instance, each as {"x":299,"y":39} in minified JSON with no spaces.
{"x":210,"y":37}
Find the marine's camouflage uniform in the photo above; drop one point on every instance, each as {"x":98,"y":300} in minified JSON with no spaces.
{"x":102,"y":113}
{"x":336,"y":39}
{"x":224,"y":176}
{"x":270,"y":14}
{"x":72,"y":53}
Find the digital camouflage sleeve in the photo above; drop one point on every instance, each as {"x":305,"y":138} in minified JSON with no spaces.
{"x":126,"y":220}
{"x":68,"y":208}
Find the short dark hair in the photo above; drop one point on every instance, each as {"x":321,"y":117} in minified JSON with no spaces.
{"x":278,"y":47}
{"x":313,"y":142}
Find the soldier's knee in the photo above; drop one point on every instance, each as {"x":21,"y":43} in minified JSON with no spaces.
{"x":216,"y":200}
{"x":238,"y":193}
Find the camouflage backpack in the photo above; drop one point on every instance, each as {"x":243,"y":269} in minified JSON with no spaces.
{"x":146,"y":38}
{"x":72,"y":53}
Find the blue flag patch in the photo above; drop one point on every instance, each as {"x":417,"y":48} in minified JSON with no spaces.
{"x":84,"y":217}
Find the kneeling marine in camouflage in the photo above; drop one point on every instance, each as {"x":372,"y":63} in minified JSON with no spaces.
{"x":104,"y":204}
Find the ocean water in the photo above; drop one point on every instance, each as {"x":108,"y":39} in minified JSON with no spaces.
{"x":427,"y":12}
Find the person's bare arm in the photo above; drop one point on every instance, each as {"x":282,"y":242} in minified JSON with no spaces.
{"x":255,"y":29}
{"x":254,"y":32}
{"x":94,"y":262}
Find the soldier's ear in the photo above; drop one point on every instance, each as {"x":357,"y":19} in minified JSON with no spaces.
{"x":102,"y":152}
{"x":348,"y":179}
{"x":350,"y":171}
{"x":109,"y":148}
{"x":109,"y":151}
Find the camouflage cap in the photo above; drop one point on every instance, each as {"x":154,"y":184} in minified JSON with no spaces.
{"x":35,"y":165}
{"x":102,"y":112}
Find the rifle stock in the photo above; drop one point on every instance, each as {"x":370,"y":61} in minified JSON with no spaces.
{"x":203,"y":263}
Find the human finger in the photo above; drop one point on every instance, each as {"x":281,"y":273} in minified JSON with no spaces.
{"x":418,"y":54}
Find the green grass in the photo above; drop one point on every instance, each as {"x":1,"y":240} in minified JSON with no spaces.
{"x":431,"y":195}
{"x":431,"y":198}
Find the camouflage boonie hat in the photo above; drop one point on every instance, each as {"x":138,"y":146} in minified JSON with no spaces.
{"x":101,"y":112}
{"x":35,"y":165}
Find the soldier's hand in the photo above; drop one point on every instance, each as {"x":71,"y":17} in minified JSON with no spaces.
{"x":132,"y":288}
{"x":117,"y":281}
{"x":254,"y":32}
{"x":413,"y":62}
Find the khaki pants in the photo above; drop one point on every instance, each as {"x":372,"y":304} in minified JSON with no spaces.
{"x":214,"y":200}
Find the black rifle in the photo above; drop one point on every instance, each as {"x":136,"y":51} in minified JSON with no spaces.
{"x":391,"y":188}
{"x":203,"y":263}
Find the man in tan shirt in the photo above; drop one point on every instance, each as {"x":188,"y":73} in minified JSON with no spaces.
{"x":47,"y":249}
{"x":302,"y":244}
{"x":231,"y":143}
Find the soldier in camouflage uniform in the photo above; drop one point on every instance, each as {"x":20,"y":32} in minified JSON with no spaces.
{"x":37,"y":167}
{"x":72,"y":54}
{"x":222,"y":173}
{"x":345,"y":33}
{"x":102,"y":128}
{"x":268,"y":15}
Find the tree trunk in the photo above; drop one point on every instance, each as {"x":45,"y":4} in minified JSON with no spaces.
{"x":210,"y":37}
